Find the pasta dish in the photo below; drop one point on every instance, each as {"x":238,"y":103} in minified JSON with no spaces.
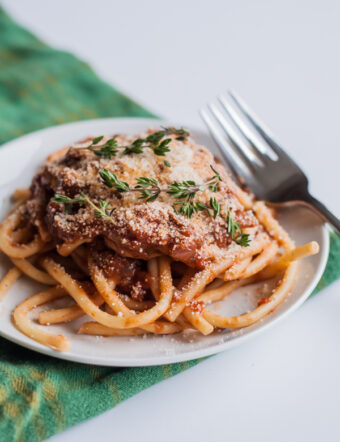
{"x":143,"y":232}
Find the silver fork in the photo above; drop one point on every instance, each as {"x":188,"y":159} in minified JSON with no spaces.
{"x":255,"y":157}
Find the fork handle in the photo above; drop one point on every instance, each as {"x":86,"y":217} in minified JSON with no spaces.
{"x":322,"y":210}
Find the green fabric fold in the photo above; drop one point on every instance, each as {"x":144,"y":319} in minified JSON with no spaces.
{"x":41,"y":396}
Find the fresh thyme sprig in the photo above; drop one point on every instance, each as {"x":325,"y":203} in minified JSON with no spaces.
{"x":181,"y":134}
{"x":106,"y":150}
{"x":149,"y":188}
{"x":104,"y":209}
{"x":111,"y":180}
{"x":154,"y":141}
{"x":101,"y":211}
{"x":215,"y":205}
{"x":234,"y":230}
{"x":217,"y":177}
{"x":69,"y":202}
{"x":186,"y":191}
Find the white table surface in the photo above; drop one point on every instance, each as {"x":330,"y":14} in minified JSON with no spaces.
{"x":173,"y":56}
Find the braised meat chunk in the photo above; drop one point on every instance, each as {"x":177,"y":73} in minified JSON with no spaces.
{"x":190,"y":222}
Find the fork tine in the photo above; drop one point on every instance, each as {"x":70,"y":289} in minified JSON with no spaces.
{"x":254,"y":141}
{"x":237,"y":142}
{"x":237,"y":166}
{"x":257,"y":123}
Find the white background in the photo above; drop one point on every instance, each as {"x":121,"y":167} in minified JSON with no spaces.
{"x":283,"y":58}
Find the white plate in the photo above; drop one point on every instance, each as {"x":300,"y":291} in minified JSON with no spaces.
{"x":19,"y":160}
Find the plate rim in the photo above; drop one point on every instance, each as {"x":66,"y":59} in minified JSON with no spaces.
{"x":165,"y":359}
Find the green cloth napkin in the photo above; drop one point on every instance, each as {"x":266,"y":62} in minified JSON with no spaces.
{"x":41,"y":396}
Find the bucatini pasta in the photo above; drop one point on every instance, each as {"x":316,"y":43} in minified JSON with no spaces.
{"x":142,"y":233}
